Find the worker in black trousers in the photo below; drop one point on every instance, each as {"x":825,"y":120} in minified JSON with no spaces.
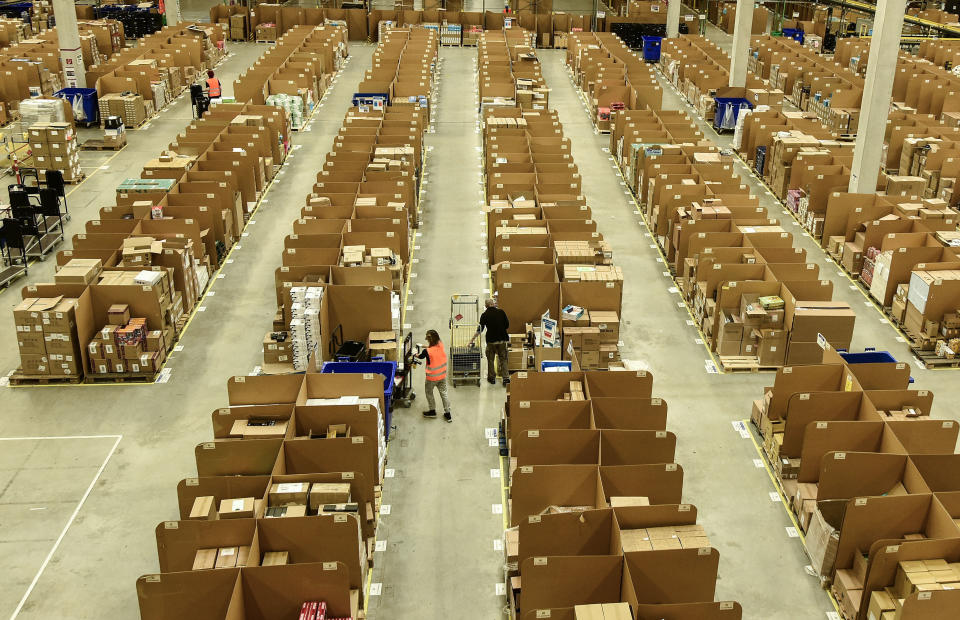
{"x":495,"y":321}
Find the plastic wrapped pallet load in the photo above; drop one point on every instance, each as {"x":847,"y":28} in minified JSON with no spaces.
{"x":34,"y":111}
{"x":291,"y":104}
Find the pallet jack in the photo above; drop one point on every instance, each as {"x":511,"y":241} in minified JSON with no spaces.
{"x":403,"y":394}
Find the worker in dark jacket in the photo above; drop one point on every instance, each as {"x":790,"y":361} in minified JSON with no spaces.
{"x":435,"y":357}
{"x":495,"y":321}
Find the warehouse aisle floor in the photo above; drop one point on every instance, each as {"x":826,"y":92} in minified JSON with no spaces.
{"x":720,"y":479}
{"x":111,"y":542}
{"x":440,"y":559}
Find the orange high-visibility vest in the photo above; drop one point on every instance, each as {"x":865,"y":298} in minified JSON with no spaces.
{"x":213,"y":87}
{"x":437,"y":365}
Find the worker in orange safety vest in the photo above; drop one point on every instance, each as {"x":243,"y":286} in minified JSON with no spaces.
{"x":213,"y":86}
{"x":435,"y":357}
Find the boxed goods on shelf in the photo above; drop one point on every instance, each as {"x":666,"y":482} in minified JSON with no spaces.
{"x":175,"y":225}
{"x":302,"y":504}
{"x":541,"y":230}
{"x":853,"y":447}
{"x":592,"y":499}
{"x":350,"y":246}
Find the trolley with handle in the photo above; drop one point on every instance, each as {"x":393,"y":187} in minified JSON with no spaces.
{"x":464,"y":355}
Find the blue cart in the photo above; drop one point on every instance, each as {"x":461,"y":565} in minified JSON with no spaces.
{"x":84,"y":102}
{"x":387,"y":370}
{"x":727,"y":111}
{"x":651,"y":48}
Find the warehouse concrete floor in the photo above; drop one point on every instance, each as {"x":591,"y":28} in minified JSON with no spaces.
{"x":120,"y":450}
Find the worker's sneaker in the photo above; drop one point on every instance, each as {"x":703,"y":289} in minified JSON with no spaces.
{"x":430,"y":414}
{"x":506,"y":381}
{"x":448,"y":417}
{"x":492,"y":380}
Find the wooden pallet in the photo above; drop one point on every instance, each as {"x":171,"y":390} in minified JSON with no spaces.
{"x":96,"y":144}
{"x":18,"y":378}
{"x":931,"y":360}
{"x":743,"y":363}
{"x":266,"y":41}
{"x":121,"y":377}
{"x":13,"y":118}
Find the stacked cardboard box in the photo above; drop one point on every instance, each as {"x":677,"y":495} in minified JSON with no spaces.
{"x":336,"y":433}
{"x":584,"y":514}
{"x":544,"y":247}
{"x":384,"y":344}
{"x":306,"y":302}
{"x":266,"y":32}
{"x":164,"y":267}
{"x":47,"y":337}
{"x":325,"y":507}
{"x":125,"y":346}
{"x":884,"y":453}
{"x":238,"y":27}
{"x":54,"y":147}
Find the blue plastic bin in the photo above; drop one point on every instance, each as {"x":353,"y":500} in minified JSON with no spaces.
{"x":731,"y":105}
{"x":793,"y":33}
{"x":386,"y":369}
{"x":869,"y":356}
{"x":651,"y":48}
{"x":88,"y":103}
{"x":555,"y":366}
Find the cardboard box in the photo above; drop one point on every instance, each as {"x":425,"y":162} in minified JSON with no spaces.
{"x":30,"y":341}
{"x":833,"y":319}
{"x":616,"y":611}
{"x":60,"y":317}
{"x":227,"y":557}
{"x":880,"y":603}
{"x":203,"y":508}
{"x":28,"y":313}
{"x":118,"y":314}
{"x":822,"y":542}
{"x":328,"y":493}
{"x":76,"y":274}
{"x":205,"y":559}
{"x":588,"y":612}
{"x":288,"y":493}
{"x":241,"y":508}
{"x":36,"y":365}
{"x":608,"y":323}
{"x":263,"y":429}
{"x":616,"y":501}
{"x":275,"y":558}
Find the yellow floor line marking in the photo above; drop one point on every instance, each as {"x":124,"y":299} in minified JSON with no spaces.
{"x":783,"y":499}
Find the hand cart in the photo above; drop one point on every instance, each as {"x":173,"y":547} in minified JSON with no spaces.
{"x":403,"y":393}
{"x":13,"y":253}
{"x":464,"y":355}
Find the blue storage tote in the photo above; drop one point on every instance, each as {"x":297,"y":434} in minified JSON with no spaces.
{"x":651,"y":48}
{"x":84,"y":103}
{"x":387,"y":370}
